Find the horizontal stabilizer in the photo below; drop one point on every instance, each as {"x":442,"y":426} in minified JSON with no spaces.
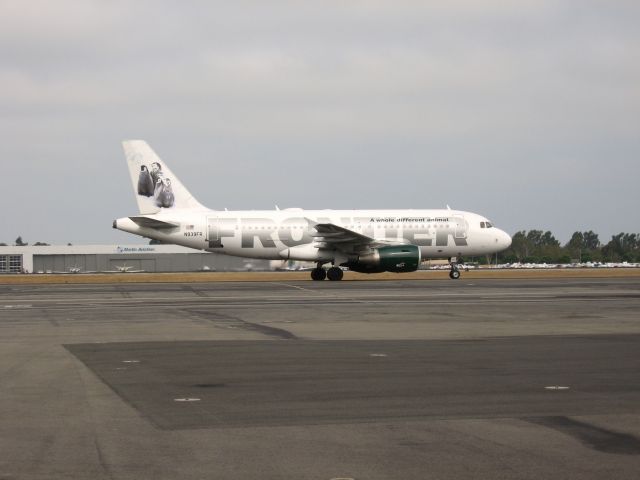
{"x":152,"y":222}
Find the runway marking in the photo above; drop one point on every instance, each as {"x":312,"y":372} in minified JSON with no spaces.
{"x":556,"y":387}
{"x":377,"y":354}
{"x":293,"y":286}
{"x":130,"y":361}
{"x":331,"y":294}
{"x":323,"y":293}
{"x":188,"y":399}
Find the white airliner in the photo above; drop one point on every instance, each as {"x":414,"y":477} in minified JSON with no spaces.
{"x":123,"y":269}
{"x":368,"y":241}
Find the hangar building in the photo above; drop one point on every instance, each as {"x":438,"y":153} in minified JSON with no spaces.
{"x":105,"y":258}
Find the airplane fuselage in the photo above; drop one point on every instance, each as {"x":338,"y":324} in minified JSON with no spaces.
{"x":289,"y":233}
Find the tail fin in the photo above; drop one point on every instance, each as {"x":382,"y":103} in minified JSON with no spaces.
{"x":155,"y":186}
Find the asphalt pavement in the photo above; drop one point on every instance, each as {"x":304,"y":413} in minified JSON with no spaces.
{"x":364,"y":380}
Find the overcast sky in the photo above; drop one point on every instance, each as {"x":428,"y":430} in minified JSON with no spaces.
{"x":527,"y":112}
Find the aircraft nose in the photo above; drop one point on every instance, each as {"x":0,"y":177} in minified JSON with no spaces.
{"x":504,"y":239}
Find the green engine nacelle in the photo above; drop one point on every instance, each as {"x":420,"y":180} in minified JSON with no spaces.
{"x":394,"y":258}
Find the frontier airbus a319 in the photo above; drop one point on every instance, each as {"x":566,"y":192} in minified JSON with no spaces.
{"x":368,"y":241}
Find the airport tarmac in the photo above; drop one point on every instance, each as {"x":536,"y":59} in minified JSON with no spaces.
{"x":401,"y":379}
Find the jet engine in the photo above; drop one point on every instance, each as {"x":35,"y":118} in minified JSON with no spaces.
{"x":392,"y":258}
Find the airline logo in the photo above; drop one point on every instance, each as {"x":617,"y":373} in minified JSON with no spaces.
{"x":294,"y":231}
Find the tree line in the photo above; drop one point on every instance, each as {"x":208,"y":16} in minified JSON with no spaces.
{"x":21,"y":243}
{"x":537,"y":246}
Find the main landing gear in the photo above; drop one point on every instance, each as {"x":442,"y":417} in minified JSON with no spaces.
{"x":333,"y":274}
{"x":454,"y":274}
{"x":318,"y":274}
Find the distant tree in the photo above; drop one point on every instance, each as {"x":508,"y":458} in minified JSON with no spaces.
{"x":69,"y":244}
{"x":20,"y":243}
{"x":583,"y":245}
{"x":588,"y":257}
{"x":548,"y":240}
{"x":564,"y":259}
{"x":591,"y":240}
{"x":623,"y":246}
{"x":534,"y":237}
{"x":611,"y":251}
{"x":520,"y":245}
{"x":538,"y":238}
{"x":576,"y":245}
{"x":40,"y":244}
{"x":3,"y":244}
{"x":554,"y":254}
{"x":584,"y":240}
{"x":577,"y":240}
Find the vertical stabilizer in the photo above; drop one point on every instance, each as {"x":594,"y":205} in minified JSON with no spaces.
{"x":154,"y":184}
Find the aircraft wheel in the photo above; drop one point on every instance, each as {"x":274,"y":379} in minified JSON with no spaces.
{"x":454,"y":274}
{"x":335,"y":273}
{"x":318,"y":274}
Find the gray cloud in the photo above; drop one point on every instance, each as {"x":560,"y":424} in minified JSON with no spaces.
{"x":526,"y":112}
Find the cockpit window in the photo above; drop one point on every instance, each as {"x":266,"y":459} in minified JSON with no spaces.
{"x":482,"y":225}
{"x":489,"y":225}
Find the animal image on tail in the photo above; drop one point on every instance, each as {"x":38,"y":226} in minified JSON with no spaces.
{"x":163,"y":194}
{"x":145,"y":182}
{"x":155,"y":185}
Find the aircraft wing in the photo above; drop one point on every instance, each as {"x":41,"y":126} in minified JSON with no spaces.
{"x":330,"y":235}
